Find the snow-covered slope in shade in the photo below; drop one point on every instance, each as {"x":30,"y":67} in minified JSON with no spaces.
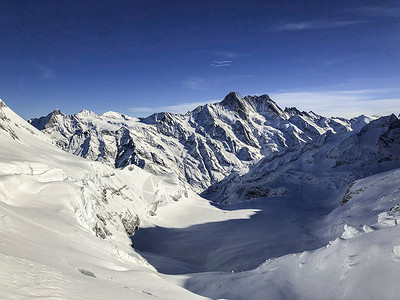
{"x":202,"y":147}
{"x":65,"y":222}
{"x":362,"y":260}
{"x":318,"y":171}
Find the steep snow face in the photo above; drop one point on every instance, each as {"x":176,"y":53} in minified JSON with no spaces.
{"x":320,"y":169}
{"x":65,"y":222}
{"x":369,"y":204}
{"x":202,"y":147}
{"x":104,"y":191}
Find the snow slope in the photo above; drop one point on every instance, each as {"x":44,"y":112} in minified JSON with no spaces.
{"x":64,"y":222}
{"x":362,"y":260}
{"x":202,"y":147}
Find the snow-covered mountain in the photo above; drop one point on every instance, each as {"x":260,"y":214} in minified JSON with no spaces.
{"x":65,"y":222}
{"x":320,"y":169}
{"x":202,"y":147}
{"x":317,"y":226}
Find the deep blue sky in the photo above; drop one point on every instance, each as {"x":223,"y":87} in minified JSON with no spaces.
{"x":333,"y":57}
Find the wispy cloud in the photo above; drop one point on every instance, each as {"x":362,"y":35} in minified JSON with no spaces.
{"x":317,"y":24}
{"x":221,"y":54}
{"x":194,"y":83}
{"x":343,"y":103}
{"x":219,"y":64}
{"x":44,"y":72}
{"x":176,"y":108}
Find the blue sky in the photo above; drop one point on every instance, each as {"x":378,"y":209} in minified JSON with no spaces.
{"x":137,"y":57}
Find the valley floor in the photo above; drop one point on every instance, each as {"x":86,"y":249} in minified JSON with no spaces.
{"x":282,"y":249}
{"x":230,"y":244}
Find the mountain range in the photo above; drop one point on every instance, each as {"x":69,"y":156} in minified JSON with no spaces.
{"x":300,"y":206}
{"x":202,"y":146}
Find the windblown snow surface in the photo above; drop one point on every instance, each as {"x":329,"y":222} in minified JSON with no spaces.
{"x":69,"y":226}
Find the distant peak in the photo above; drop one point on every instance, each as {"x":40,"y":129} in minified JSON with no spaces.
{"x":111,"y":114}
{"x":233,"y":102}
{"x":165,"y":117}
{"x":54,"y":113}
{"x":292,"y":111}
{"x":115,"y":115}
{"x":42,"y":122}
{"x":85,"y":112}
{"x":232,"y":94}
{"x":57,"y":112}
{"x":264,"y":105}
{"x":232,"y":97}
{"x":261,"y":104}
{"x":264,"y":97}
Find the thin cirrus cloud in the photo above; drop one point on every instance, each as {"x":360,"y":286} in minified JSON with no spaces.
{"x":194,"y":83}
{"x":341,"y":103}
{"x":177,"y":108}
{"x":221,"y":54}
{"x":221,"y":64}
{"x":43,"y":71}
{"x":46,"y":73}
{"x":319,"y":24}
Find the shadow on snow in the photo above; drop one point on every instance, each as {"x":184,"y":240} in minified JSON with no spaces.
{"x":281,"y":226}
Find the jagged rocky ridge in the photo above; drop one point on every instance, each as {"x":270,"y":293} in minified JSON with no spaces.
{"x":109,"y":201}
{"x":321,"y":169}
{"x":202,"y":147}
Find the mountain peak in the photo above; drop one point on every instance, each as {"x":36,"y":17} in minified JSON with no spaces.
{"x":56,"y":112}
{"x":157,"y":117}
{"x":232,"y":96}
{"x":115,"y":115}
{"x":40,"y":123}
{"x":233,"y":102}
{"x":85,"y":112}
{"x":263,"y":105}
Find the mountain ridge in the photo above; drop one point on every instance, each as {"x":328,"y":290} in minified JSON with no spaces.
{"x":331,"y":162}
{"x":202,"y":146}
